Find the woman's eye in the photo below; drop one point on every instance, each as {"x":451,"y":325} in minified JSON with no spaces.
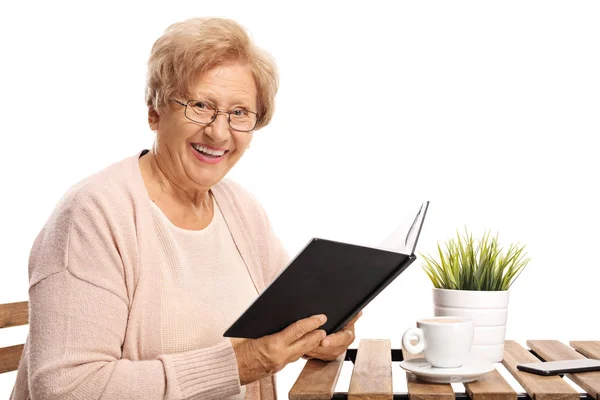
{"x":240,"y":112}
{"x":202,"y":105}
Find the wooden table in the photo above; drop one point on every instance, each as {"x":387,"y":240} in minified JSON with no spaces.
{"x":375,"y":362}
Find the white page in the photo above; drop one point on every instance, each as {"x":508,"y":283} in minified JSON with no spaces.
{"x":403,"y":238}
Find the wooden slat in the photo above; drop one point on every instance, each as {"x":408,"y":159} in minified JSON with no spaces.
{"x":9,"y":358}
{"x":538,"y":387}
{"x":317,"y":380}
{"x":490,"y":386}
{"x":372,"y":374}
{"x":553,"y":350}
{"x":14,"y":314}
{"x":590,"y":349}
{"x":421,"y":390}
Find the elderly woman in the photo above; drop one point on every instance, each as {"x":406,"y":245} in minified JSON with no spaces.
{"x":142,"y":266}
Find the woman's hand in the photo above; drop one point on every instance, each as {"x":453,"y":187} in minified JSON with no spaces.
{"x":259,"y":358}
{"x":335,"y":344}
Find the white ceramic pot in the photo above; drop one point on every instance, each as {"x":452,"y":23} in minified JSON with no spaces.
{"x":488,"y":310}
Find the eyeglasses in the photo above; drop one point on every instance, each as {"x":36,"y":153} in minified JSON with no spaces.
{"x":202,"y":112}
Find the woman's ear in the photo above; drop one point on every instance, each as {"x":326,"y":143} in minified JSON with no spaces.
{"x":153,"y":118}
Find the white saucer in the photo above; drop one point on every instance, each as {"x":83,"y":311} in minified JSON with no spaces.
{"x":470,"y":371}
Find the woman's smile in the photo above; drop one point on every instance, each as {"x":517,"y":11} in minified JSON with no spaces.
{"x":207,"y":154}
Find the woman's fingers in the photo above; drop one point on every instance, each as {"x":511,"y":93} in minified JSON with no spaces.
{"x":261,"y":357}
{"x":303,"y":336}
{"x":299,"y":329}
{"x":342,"y":338}
{"x":307,"y":344}
{"x":326,"y":353}
{"x":335,"y":344}
{"x":345,"y":336}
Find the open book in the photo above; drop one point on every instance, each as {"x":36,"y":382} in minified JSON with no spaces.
{"x":332,"y":278}
{"x":404,"y":240}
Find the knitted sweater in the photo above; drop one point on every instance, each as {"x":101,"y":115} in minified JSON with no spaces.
{"x":95,"y":297}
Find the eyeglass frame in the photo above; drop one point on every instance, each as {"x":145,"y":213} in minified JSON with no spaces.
{"x":216,"y":114}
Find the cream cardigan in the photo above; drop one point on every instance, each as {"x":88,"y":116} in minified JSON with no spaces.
{"x":95,"y":298}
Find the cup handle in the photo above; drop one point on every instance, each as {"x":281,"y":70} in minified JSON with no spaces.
{"x":408,"y":346}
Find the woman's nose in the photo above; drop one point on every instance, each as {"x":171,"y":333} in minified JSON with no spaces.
{"x":218,"y":130}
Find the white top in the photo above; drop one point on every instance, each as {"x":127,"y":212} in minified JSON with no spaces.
{"x":205,"y":271}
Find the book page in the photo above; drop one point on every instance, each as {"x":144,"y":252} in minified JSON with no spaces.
{"x":404,"y":238}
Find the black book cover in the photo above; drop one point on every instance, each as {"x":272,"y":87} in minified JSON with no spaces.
{"x":327,"y":277}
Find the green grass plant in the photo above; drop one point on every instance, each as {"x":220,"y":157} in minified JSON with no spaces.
{"x":467,"y":264}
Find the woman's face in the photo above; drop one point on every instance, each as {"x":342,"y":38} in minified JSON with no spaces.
{"x":197,"y":156}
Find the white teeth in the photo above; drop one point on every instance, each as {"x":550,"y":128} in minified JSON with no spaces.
{"x":216,"y":153}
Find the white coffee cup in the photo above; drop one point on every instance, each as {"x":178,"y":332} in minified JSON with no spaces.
{"x":444,"y":341}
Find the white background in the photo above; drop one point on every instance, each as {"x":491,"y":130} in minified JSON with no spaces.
{"x":490,"y":110}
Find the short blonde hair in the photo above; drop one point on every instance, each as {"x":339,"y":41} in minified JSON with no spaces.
{"x":192,"y":47}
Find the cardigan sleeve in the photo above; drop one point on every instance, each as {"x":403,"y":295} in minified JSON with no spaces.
{"x":79,"y":313}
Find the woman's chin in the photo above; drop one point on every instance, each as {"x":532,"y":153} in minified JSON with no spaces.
{"x":206,"y":174}
{"x":206,"y":178}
